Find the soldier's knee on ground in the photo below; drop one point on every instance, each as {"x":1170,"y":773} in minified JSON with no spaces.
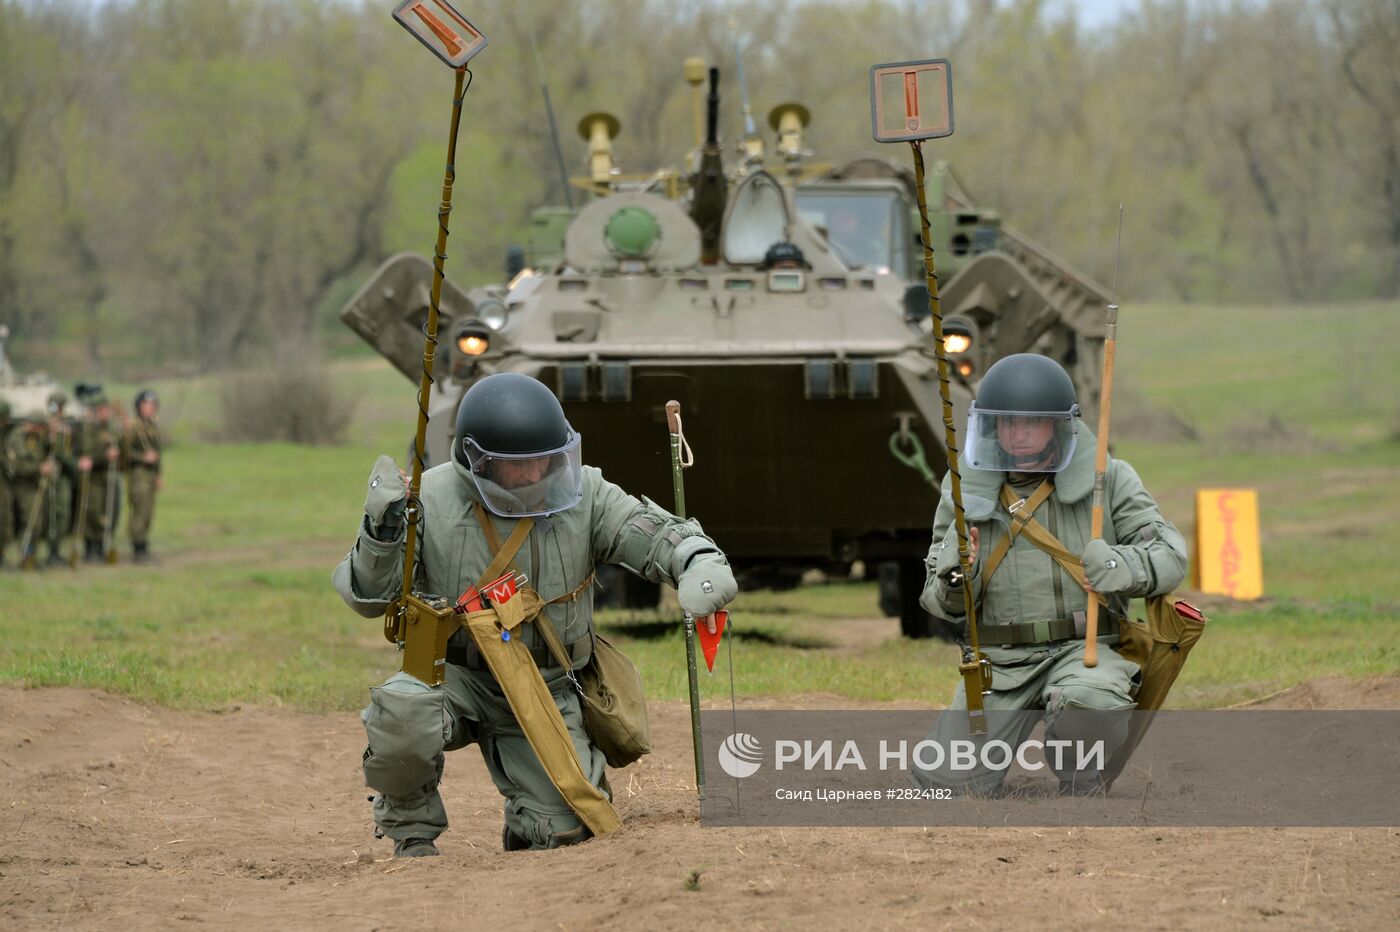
{"x":545,"y":829}
{"x":407,"y":727}
{"x":1085,"y":713}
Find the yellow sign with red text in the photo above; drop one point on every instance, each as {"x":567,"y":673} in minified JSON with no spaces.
{"x":1227,"y":543}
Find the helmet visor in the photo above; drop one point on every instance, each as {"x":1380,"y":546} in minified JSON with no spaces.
{"x":1020,"y":441}
{"x":518,"y":485}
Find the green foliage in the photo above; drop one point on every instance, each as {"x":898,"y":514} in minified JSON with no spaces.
{"x":289,"y":404}
{"x":241,"y":165}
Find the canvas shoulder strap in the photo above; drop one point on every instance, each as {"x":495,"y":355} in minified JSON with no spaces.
{"x":504,"y":555}
{"x":1050,"y":544}
{"x":1022,"y":512}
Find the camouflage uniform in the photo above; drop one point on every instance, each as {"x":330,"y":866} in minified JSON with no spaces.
{"x":99,"y":436}
{"x":1147,"y":552}
{"x":60,"y":519}
{"x":141,"y":439}
{"x":26,"y":452}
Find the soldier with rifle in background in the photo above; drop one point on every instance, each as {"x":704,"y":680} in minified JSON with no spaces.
{"x":141,"y":453}
{"x":101,"y":461}
{"x":63,"y":448}
{"x":29,"y":462}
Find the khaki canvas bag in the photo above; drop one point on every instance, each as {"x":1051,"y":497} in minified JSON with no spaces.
{"x":614,"y":701}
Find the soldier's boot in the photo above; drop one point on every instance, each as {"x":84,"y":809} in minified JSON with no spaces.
{"x":92,"y":551}
{"x":55,"y":557}
{"x":415,"y":848}
{"x":140,"y":552}
{"x":513,"y":842}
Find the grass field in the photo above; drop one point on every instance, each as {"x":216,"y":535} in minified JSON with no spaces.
{"x":1301,"y":403}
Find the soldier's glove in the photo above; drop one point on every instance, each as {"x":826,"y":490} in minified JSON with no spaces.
{"x":947,"y":565}
{"x":1106,"y":568}
{"x":386,"y":499}
{"x":705,"y":583}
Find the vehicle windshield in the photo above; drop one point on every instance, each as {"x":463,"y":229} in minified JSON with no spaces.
{"x":864,"y":228}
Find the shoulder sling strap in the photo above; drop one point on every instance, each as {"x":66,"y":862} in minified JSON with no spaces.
{"x":1049,"y":543}
{"x":1022,"y":513}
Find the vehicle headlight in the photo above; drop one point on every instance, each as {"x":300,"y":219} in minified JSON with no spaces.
{"x":473,"y":338}
{"x":492,"y":313}
{"x":959,"y":333}
{"x":955,"y":343}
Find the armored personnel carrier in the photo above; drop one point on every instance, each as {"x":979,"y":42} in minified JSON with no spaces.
{"x":28,"y":395}
{"x":808,"y":387}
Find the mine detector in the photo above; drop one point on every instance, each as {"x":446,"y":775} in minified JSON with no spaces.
{"x":812,"y":391}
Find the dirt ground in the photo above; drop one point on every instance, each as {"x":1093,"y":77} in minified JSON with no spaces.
{"x":119,"y":816}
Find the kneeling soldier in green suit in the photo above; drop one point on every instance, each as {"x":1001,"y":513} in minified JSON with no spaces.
{"x":515,"y":456}
{"x":1027,"y":455}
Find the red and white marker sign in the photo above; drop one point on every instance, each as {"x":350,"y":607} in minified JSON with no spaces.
{"x":911,"y":100}
{"x":442,"y":29}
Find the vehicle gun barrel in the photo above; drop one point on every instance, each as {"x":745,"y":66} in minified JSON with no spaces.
{"x":707,"y":209}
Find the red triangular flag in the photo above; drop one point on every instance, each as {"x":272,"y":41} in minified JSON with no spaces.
{"x":709,"y":643}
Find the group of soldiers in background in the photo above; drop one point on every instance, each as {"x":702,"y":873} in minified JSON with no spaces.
{"x":61,"y":478}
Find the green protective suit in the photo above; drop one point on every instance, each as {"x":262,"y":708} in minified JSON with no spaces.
{"x":26,"y":450}
{"x":410,"y":724}
{"x":1029,"y":586}
{"x":140,"y":440}
{"x":98,"y":437}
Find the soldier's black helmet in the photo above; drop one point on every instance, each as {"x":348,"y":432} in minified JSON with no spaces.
{"x":1025,"y":417}
{"x":1026,"y":382}
{"x":144,"y":394}
{"x":519,"y":448}
{"x":513,"y":414}
{"x":783,"y":252}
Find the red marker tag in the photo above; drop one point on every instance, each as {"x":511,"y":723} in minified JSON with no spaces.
{"x":1190,"y":612}
{"x":709,"y":643}
{"x":470,"y":601}
{"x":503,"y":589}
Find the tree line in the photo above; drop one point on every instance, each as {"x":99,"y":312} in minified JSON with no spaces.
{"x":192,"y":184}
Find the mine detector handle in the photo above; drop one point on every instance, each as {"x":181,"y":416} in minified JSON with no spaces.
{"x":912,"y":101}
{"x":1091,"y":612}
{"x":421,"y":624}
{"x":1110,"y":349}
{"x":681,"y":458}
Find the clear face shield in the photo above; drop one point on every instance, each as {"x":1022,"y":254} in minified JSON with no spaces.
{"x":1021,"y":441}
{"x":518,"y":485}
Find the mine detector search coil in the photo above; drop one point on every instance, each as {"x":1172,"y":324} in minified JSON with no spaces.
{"x":421,"y":624}
{"x":912,"y":101}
